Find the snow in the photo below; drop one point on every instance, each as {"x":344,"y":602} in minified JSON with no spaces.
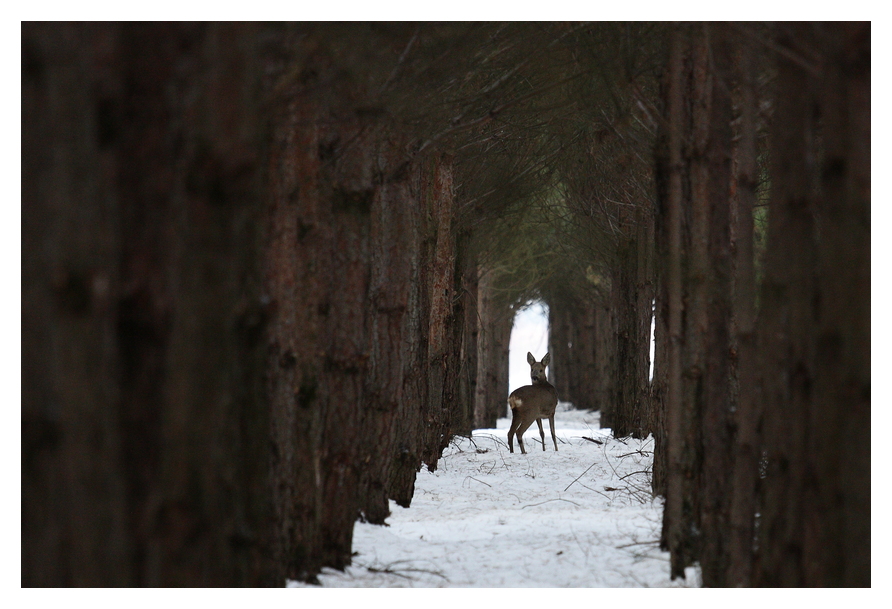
{"x":579,"y":517}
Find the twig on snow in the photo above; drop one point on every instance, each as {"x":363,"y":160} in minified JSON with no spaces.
{"x":638,"y":543}
{"x":643,"y":471}
{"x":390,"y":571}
{"x":480,"y":481}
{"x":643,"y":453}
{"x":549,"y":501}
{"x":580,"y":475}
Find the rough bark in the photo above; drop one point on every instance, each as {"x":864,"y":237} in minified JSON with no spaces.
{"x":841,"y":543}
{"x":599,"y":343}
{"x":680,"y":509}
{"x":786,"y":323}
{"x":748,"y":411}
{"x":446,"y":317}
{"x":718,"y":457}
{"x":496,"y":321}
{"x":75,"y":530}
{"x":815,"y":511}
{"x":144,"y":420}
{"x":562,"y":344}
{"x":572,"y":343}
{"x":464,"y":418}
{"x":662,"y":260}
{"x":631,"y":298}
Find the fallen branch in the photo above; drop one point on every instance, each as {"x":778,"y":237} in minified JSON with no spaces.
{"x":643,"y":471}
{"x":638,"y":543}
{"x":480,"y":481}
{"x":549,"y":501}
{"x":580,"y":476}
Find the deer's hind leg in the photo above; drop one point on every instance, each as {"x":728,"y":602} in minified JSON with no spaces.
{"x":515,"y":423}
{"x":522,"y":428}
{"x":553,"y":436}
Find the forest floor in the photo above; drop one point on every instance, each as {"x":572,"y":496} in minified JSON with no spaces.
{"x":579,"y":517}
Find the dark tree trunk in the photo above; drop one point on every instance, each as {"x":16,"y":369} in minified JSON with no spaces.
{"x":496,"y":321}
{"x":717,"y":417}
{"x":678,"y":516}
{"x":144,"y":426}
{"x":603,"y":345}
{"x":747,"y":443}
{"x":395,"y":250}
{"x":624,"y":399}
{"x":562,"y":345}
{"x":75,"y":527}
{"x":696,"y":285}
{"x":814,"y":333}
{"x":464,"y":423}
{"x":787,"y":321}
{"x":631,"y":298}
{"x":319,"y":278}
{"x":367,"y":334}
{"x":696,"y":292}
{"x":663,"y":173}
{"x":572,"y":339}
{"x":659,"y":383}
{"x":839,"y":516}
{"x":645,"y":294}
{"x":446,"y":316}
{"x":366,"y":339}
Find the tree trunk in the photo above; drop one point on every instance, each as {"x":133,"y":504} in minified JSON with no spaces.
{"x":626,"y":383}
{"x":718,"y":458}
{"x":632,"y":297}
{"x":75,"y":528}
{"x":786,"y":323}
{"x":446,"y":316}
{"x":395,"y":250}
{"x":572,"y":343}
{"x":839,"y":517}
{"x":748,"y":412}
{"x":144,"y":426}
{"x":645,"y":293}
{"x":562,"y":345}
{"x":815,"y":513}
{"x":496,"y":321}
{"x":680,"y":507}
{"x":464,"y":423}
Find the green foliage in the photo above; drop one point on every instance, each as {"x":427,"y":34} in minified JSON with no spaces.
{"x":551,"y":127}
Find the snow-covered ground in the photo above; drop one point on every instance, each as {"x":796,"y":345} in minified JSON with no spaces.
{"x":579,"y":517}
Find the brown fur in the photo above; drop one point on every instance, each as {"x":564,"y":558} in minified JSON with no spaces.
{"x":533,"y":403}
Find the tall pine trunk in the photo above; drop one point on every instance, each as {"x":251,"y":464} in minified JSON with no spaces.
{"x":747,"y":415}
{"x":144,"y":419}
{"x":842,"y":409}
{"x":496,"y":321}
{"x":814,"y":528}
{"x":718,"y":455}
{"x":678,"y":516}
{"x":787,"y":321}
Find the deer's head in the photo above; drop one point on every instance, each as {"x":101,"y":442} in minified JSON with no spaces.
{"x":537,"y":369}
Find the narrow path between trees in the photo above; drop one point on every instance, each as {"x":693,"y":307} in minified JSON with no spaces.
{"x":581,"y":517}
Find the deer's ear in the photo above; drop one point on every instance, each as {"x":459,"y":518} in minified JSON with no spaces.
{"x":530,"y":359}
{"x":546,"y":359}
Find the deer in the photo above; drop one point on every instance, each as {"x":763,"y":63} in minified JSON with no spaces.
{"x":533,"y":403}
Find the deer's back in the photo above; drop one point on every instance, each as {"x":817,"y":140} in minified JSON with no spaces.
{"x":541,"y":397}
